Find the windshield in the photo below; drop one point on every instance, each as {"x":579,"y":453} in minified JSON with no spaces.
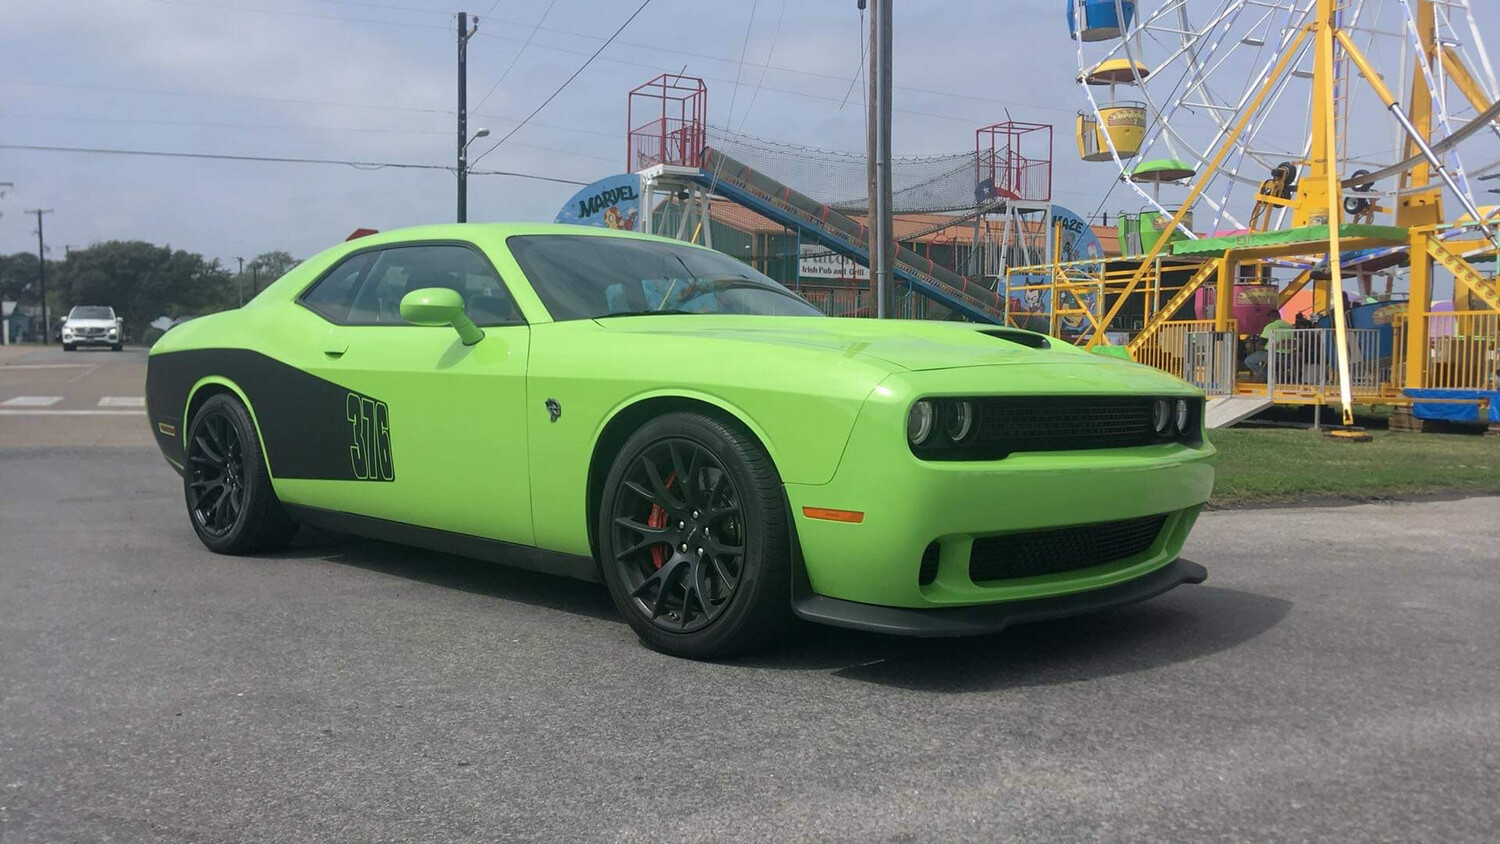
{"x":586,"y":277}
{"x":92,"y":312}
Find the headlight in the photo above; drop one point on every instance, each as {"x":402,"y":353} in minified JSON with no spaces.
{"x":1182,"y":416}
{"x":959,"y":421}
{"x":1161,"y":417}
{"x":919,"y":422}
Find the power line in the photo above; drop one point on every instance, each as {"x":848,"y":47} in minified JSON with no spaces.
{"x":864,"y":41}
{"x":360,"y":165}
{"x":282,"y":127}
{"x":739,"y":67}
{"x":654,"y":47}
{"x":226,"y":7}
{"x":770,"y":54}
{"x":566,"y":82}
{"x":517,"y":56}
{"x":297,"y":101}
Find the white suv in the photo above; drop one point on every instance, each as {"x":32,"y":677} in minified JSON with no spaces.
{"x":91,"y":325}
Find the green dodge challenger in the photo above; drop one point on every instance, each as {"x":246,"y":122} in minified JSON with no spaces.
{"x":663,"y":418}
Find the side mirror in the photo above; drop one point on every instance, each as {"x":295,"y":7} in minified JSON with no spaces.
{"x":440,"y":306}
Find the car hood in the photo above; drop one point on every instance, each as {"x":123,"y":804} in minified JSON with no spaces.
{"x":89,"y":323}
{"x":905,"y":344}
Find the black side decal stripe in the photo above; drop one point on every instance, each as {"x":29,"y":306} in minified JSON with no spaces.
{"x":303,"y":419}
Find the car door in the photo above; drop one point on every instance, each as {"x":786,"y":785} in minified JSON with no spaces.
{"x":434,"y":429}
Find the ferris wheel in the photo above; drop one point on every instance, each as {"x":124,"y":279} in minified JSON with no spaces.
{"x":1167,"y":82}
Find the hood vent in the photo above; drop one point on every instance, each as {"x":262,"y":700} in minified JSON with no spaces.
{"x":1024,"y":338}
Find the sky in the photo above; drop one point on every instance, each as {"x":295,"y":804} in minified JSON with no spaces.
{"x":374,"y":80}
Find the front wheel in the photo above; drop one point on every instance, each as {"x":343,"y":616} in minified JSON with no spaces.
{"x":693,"y":539}
{"x":68,"y":347}
{"x":228,"y":490}
{"x":116,"y":347}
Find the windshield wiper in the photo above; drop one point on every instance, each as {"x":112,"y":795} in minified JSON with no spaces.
{"x":645,"y":312}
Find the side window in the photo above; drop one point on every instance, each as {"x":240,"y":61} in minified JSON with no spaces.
{"x":400,"y":270}
{"x":334,"y":294}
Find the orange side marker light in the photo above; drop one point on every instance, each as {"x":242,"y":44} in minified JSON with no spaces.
{"x":852,"y":517}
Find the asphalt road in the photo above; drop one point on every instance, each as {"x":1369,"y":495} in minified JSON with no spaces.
{"x":1338,"y":678}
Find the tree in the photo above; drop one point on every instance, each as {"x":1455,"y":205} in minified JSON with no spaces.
{"x":141,"y":281}
{"x":18,"y":277}
{"x":272,"y":265}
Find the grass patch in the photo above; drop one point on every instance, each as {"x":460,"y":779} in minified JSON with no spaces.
{"x":1266,"y":466}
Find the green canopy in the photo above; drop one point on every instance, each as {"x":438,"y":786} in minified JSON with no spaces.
{"x":1161,"y":170}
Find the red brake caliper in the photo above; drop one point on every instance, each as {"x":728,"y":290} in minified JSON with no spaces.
{"x":658,"y":519}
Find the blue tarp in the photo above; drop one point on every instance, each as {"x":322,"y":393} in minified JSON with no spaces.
{"x":1453,"y":411}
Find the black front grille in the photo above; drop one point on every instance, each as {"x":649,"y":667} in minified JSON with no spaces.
{"x":1055,"y":423}
{"x":1010,"y":424}
{"x":1041,"y":552}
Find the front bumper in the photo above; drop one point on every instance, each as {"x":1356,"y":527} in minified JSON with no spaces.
{"x":909,"y":503}
{"x":90,"y":340}
{"x":992,"y":618}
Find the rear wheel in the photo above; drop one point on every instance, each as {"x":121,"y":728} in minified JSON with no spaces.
{"x":693,"y":538}
{"x":228,"y":490}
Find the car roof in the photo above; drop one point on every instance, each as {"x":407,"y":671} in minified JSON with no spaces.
{"x":466,"y":231}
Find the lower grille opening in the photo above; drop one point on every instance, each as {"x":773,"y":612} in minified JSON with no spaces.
{"x":1056,"y":550}
{"x":928,"y":572}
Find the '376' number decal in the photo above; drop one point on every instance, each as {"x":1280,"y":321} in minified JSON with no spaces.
{"x":370,"y":438}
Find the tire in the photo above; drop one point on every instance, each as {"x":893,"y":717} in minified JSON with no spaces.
{"x":116,"y":347}
{"x":693,"y":592}
{"x":242,"y":516}
{"x":68,"y":347}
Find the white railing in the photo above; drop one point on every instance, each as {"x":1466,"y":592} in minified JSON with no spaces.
{"x":1306,"y":360}
{"x":1210,"y":362}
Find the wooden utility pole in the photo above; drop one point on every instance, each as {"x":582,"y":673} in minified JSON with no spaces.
{"x":41,"y":271}
{"x":464,"y":34}
{"x":878,"y":146}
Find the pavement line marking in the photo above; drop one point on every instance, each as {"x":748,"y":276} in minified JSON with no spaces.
{"x":122,"y":401}
{"x":44,"y":366}
{"x":6,"y":411}
{"x":31,"y":401}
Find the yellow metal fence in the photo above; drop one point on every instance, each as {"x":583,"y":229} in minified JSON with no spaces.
{"x":1463,"y":350}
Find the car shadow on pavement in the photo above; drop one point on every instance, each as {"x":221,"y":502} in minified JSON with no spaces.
{"x":463,"y":573}
{"x":1186,"y":624}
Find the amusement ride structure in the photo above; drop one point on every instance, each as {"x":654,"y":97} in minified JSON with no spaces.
{"x":1273,"y":150}
{"x":1295,"y":163}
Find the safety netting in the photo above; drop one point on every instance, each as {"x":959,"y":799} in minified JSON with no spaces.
{"x":918,"y":184}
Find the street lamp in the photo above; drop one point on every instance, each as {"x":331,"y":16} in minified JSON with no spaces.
{"x":463,"y":175}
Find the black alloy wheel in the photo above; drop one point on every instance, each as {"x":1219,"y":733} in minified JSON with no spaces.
{"x":693,"y":538}
{"x":216,"y":466}
{"x":679,"y":535}
{"x":231,"y":503}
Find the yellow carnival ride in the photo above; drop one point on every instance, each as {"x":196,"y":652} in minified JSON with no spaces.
{"x":1283,"y":112}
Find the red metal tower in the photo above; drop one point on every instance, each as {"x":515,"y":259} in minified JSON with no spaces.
{"x":674,"y":114}
{"x":1015,"y":160}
